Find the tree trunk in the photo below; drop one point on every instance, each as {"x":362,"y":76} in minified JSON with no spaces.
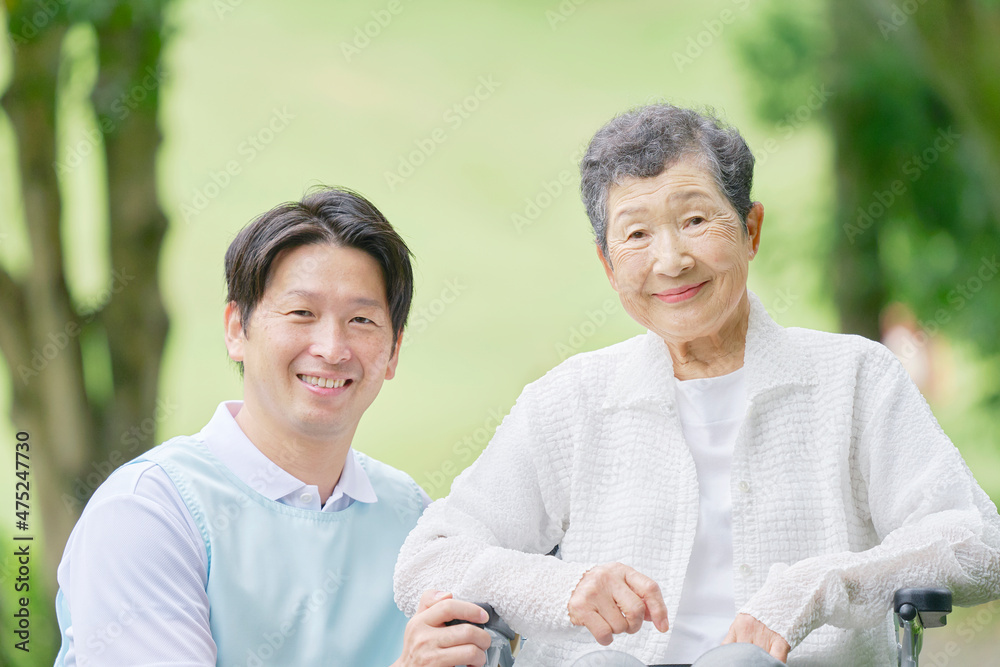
{"x":42,"y":342}
{"x":78,"y":439}
{"x":135,"y":322}
{"x":956,"y":42}
{"x":39,"y":333}
{"x":859,"y":283}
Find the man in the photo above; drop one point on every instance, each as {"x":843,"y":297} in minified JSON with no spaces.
{"x":265,"y":538}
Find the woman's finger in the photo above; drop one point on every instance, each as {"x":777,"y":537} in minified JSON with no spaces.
{"x":631,"y":607}
{"x":429,"y":598}
{"x":652,"y":598}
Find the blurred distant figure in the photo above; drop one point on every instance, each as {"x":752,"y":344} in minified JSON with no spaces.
{"x":925,"y":355}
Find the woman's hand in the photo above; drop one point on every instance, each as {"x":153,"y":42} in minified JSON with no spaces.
{"x":749,"y":630}
{"x":614,"y":598}
{"x":428,"y":642}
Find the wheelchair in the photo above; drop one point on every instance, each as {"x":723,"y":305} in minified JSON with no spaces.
{"x":914,"y":610}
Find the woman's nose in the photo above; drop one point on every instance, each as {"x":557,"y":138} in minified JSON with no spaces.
{"x":671,"y":255}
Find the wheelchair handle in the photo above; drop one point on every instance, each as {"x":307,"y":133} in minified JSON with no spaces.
{"x":916,"y":609}
{"x":494,"y":622}
{"x":499,"y":653}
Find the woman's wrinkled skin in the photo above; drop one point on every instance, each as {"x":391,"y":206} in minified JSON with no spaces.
{"x":678,"y":256}
{"x":678,"y":230}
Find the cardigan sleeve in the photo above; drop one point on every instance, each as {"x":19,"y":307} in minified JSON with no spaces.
{"x":488,"y":540}
{"x":936,"y":525}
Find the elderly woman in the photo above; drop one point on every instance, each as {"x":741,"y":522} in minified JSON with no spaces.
{"x":752,"y":483}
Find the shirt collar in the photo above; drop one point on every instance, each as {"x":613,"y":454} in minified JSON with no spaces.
{"x":646,"y":374}
{"x":226,"y":440}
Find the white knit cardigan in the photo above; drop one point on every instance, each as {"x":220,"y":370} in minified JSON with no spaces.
{"x":844,"y":488}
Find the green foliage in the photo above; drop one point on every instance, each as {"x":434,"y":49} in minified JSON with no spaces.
{"x":784,"y":51}
{"x":914,"y":213}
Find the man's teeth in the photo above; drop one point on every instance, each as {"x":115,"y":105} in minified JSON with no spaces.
{"x":329,"y":383}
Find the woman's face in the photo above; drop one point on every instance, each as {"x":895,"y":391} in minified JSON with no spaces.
{"x":678,"y":255}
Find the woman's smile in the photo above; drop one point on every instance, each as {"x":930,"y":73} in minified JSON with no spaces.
{"x":681,"y":293}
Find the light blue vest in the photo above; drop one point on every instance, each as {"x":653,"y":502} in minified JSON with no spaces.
{"x":295,"y":587}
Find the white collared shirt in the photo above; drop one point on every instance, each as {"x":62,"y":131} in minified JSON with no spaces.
{"x":137,"y":507}
{"x":225,"y":439}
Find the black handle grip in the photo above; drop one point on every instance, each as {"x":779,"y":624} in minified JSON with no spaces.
{"x":933,"y":605}
{"x":494,"y":622}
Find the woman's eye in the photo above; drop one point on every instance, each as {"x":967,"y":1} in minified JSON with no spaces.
{"x":637,"y":234}
{"x":696,"y":220}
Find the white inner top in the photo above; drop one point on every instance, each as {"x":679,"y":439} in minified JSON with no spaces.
{"x":711,"y":412}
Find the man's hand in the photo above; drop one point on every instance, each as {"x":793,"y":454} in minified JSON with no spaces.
{"x":614,"y":598}
{"x":428,"y":642}
{"x":749,"y":630}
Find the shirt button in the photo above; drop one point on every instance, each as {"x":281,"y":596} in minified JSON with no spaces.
{"x":744,"y":486}
{"x":745,"y":570}
{"x":306,"y":497}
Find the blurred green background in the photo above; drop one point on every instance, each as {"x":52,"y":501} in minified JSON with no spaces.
{"x":463,"y":123}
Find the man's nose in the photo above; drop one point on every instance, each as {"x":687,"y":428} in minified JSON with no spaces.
{"x":331,"y":343}
{"x":671,"y":255}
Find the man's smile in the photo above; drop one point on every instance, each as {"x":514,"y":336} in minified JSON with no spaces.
{"x":325,"y":383}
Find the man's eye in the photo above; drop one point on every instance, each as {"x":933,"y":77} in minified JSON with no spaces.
{"x":301,"y":313}
{"x":362,"y":320}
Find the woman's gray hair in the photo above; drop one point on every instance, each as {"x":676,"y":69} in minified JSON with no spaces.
{"x":645,"y":141}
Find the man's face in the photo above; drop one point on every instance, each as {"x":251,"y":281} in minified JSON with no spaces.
{"x":318,"y":345}
{"x":678,"y":251}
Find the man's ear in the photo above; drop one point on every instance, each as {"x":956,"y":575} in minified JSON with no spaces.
{"x":390,"y":370}
{"x":235,"y":336}
{"x":608,"y":269}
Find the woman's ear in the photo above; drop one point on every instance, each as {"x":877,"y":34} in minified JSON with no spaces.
{"x":755,"y":220}
{"x":608,"y":269}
